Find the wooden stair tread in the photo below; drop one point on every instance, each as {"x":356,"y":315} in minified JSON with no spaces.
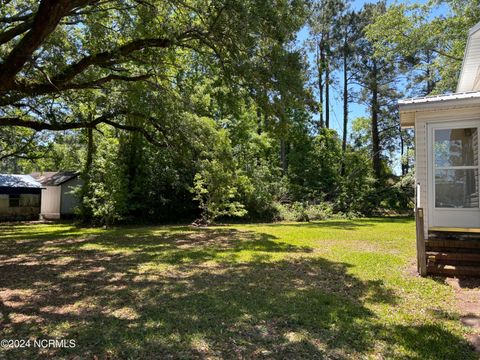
{"x":454,"y":229}
{"x":458,"y":256}
{"x":449,"y":243}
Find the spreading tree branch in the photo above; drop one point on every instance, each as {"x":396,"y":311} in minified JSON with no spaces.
{"x":10,"y":34}
{"x":15,"y":18}
{"x":17,"y":152}
{"x":41,"y":89}
{"x":47,"y":18}
{"x":103,"y":119}
{"x":107,"y":56}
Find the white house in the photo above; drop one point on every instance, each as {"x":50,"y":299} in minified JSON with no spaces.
{"x":447,"y":151}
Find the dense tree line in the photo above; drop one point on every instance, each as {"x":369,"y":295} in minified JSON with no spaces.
{"x":180,"y":109}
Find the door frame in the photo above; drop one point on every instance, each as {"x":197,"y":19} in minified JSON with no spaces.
{"x":431,"y":127}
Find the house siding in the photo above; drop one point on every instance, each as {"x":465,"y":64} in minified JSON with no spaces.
{"x":69,"y":201}
{"x":422,"y":119}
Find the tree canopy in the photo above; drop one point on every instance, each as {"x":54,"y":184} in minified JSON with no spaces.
{"x":59,"y":54}
{"x":183,"y":109}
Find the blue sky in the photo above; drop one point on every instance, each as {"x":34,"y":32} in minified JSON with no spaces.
{"x":336,"y":101}
{"x":356,"y":110}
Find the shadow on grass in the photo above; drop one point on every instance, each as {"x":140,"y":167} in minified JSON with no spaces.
{"x":173,"y":245}
{"x":32,"y":232}
{"x":161,"y":297}
{"x":346,"y":224}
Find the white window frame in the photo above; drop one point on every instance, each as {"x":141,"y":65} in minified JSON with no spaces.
{"x":433,"y":168}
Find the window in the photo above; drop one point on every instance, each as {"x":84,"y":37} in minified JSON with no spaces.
{"x":29,"y":200}
{"x":456,"y":168}
{"x":14,"y":201}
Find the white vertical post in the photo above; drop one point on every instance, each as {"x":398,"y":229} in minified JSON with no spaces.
{"x":420,"y":221}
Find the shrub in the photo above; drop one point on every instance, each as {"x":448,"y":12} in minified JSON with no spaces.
{"x":321,"y":211}
{"x":299,"y":211}
{"x":216,"y":184}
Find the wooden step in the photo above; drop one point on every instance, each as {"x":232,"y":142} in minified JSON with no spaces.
{"x":452,"y":270}
{"x":442,"y":229}
{"x":433,"y":244}
{"x":454,"y":236}
{"x":441,"y":256}
{"x":454,"y":233}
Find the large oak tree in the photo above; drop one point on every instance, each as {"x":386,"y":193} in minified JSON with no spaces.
{"x":63,"y":63}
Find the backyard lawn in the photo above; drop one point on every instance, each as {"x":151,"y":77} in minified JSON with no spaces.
{"x":332,"y":289}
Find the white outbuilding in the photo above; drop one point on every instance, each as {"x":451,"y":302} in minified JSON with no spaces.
{"x":59,"y":194}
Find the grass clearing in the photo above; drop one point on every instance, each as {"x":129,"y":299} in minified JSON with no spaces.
{"x":335,"y":289}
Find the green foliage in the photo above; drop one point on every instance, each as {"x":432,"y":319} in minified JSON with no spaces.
{"x":291,"y":212}
{"x":262,"y":186}
{"x":215,"y":193}
{"x":320,"y":211}
{"x":65,"y":153}
{"x":223,"y":125}
{"x":430,"y":47}
{"x":358,"y":188}
{"x":21,"y":149}
{"x":216,"y":184}
{"x":314,"y":170}
{"x":106,"y":196}
{"x":303,"y":211}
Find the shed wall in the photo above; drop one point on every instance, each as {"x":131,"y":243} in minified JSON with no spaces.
{"x":50,"y":208}
{"x":29,"y":207}
{"x":69,"y":200}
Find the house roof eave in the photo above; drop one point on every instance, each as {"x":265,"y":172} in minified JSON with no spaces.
{"x":440,"y":101}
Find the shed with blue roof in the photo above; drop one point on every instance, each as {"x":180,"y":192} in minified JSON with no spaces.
{"x":20,"y":197}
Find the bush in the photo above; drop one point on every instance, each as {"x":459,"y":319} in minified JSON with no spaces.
{"x":319,"y":212}
{"x":216,"y":184}
{"x":291,"y":212}
{"x":299,"y":211}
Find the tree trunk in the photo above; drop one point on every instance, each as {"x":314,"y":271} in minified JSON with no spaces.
{"x":327,"y":90}
{"x":345,"y":108}
{"x":259,"y":121}
{"x":320,"y":60}
{"x":403,"y":151}
{"x":86,"y":176}
{"x":430,"y":82}
{"x":283,"y":156}
{"x":90,"y":151}
{"x":376,"y":156}
{"x":48,"y":15}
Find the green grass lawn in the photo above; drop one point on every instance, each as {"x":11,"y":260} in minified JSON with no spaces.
{"x":331,"y":289}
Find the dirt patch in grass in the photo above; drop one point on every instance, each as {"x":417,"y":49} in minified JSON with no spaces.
{"x":467,"y":292}
{"x":467,"y":296}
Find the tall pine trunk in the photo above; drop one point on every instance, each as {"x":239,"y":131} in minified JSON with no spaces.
{"x":376,"y":156}
{"x":283,"y":156}
{"x":428,"y":75}
{"x":403,"y":151}
{"x":321,"y":60}
{"x":327,"y":88}
{"x":345,"y":107}
{"x":283,"y":135}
